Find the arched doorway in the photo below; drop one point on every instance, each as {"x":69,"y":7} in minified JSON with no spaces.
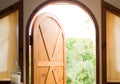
{"x":31,"y":26}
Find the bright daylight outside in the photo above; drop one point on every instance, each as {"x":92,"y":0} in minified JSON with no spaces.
{"x":80,"y":42}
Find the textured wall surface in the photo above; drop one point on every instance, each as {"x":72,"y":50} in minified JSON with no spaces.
{"x":115,"y":3}
{"x":6,"y":3}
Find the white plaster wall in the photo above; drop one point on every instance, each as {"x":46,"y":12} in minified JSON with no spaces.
{"x":6,"y":3}
{"x":115,"y":3}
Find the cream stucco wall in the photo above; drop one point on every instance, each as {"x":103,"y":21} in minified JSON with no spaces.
{"x":6,"y":3}
{"x":115,"y":3}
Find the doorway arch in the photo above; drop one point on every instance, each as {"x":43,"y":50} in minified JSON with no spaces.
{"x":75,"y":2}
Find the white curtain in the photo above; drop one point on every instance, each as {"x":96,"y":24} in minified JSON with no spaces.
{"x":8,"y":44}
{"x":113,"y":47}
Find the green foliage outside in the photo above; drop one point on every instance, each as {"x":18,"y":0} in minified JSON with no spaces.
{"x":80,"y":61}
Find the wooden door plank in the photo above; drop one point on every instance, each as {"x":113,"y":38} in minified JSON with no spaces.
{"x":53,"y":63}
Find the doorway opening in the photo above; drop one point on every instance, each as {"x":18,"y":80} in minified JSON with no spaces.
{"x":80,"y":39}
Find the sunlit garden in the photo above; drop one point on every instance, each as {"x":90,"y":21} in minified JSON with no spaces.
{"x":80,"y":61}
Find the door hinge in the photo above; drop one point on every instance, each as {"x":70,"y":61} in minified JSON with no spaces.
{"x":30,"y":40}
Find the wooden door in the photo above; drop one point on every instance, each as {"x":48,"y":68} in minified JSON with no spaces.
{"x":48,"y":51}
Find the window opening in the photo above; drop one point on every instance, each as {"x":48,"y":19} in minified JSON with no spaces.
{"x":112,"y":34}
{"x":8,"y":44}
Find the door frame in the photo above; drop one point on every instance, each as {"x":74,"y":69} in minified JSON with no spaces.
{"x":106,"y":7}
{"x":79,"y":4}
